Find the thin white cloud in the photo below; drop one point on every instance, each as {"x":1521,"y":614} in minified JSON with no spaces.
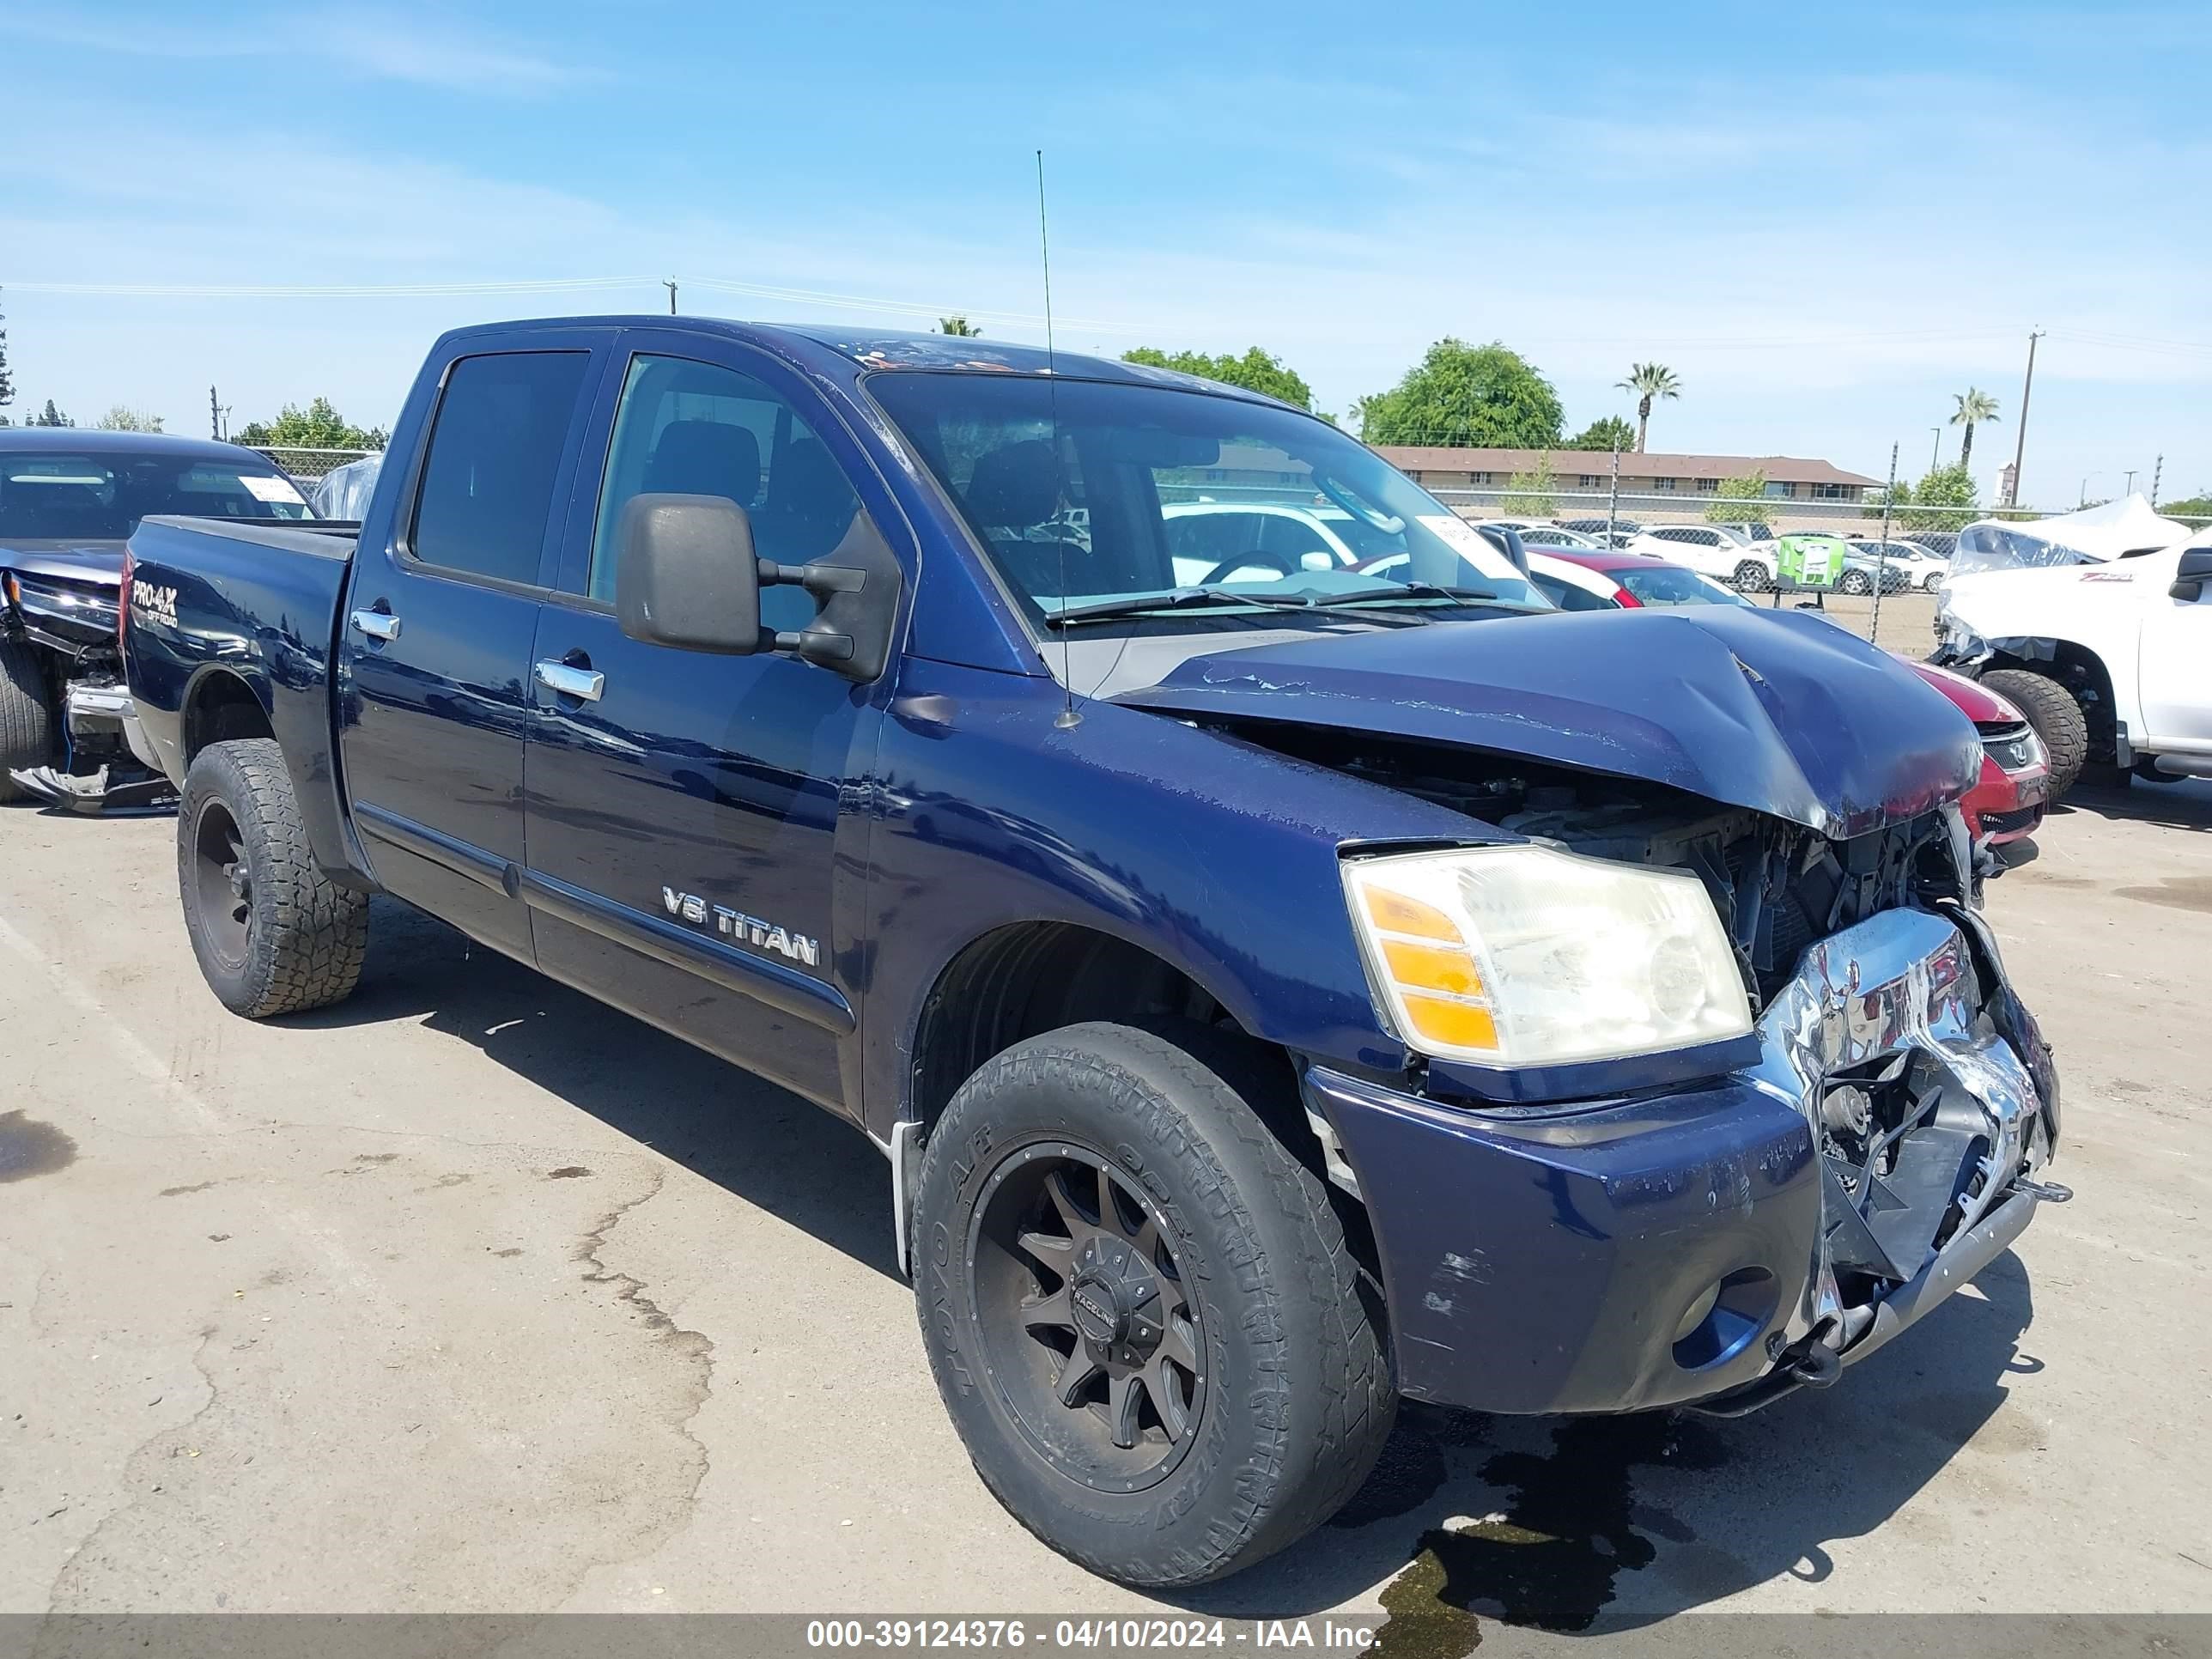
{"x":419,"y":50}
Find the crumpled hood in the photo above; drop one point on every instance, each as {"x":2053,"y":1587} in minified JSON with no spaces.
{"x":78,"y":561}
{"x":1780,"y":711}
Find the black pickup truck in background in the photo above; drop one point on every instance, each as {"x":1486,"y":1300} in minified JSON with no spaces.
{"x":1287,"y":966}
{"x":68,"y":499}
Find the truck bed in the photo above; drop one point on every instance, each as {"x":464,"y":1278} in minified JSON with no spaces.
{"x":221,"y":609}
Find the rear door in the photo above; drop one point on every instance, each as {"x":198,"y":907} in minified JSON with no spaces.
{"x":694,"y":819}
{"x":440,"y":617}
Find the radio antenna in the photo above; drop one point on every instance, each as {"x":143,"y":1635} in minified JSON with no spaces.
{"x":1067,"y":718}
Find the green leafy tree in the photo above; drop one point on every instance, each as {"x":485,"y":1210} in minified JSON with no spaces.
{"x":121,"y":419}
{"x":318,"y":426}
{"x":1738,"y":501}
{"x":1482,"y":396}
{"x":1533,"y":494}
{"x":2198,"y":506}
{"x":50,"y":416}
{"x":959,"y":326}
{"x":1610,"y":433}
{"x":1944,"y":499}
{"x":1974,"y":407}
{"x":1648,"y":381}
{"x":1256,"y":371}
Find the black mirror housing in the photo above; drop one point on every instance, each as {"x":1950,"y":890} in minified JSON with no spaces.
{"x":2194,"y":571}
{"x":687,"y":576}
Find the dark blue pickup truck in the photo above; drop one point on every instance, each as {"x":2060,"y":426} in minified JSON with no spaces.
{"x":1287,"y":966}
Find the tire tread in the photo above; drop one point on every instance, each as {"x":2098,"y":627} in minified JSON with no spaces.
{"x":313,"y":937}
{"x":27,"y":715}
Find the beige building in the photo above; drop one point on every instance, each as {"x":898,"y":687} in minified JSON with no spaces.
{"x":1578,"y":471}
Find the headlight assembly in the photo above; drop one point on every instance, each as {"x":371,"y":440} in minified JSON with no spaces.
{"x":1527,"y":956}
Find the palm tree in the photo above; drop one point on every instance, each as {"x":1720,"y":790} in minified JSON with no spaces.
{"x":1974,"y":407}
{"x":959,"y":325}
{"x":1648,"y":381}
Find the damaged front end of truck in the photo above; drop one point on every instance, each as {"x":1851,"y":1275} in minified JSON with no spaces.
{"x":1720,"y":1229}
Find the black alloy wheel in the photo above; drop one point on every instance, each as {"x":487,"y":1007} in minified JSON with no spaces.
{"x":1088,"y":1326}
{"x":223,"y":879}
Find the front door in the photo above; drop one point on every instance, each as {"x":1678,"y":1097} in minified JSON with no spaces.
{"x":440,"y":620}
{"x":2175,"y":665}
{"x":690,"y":824}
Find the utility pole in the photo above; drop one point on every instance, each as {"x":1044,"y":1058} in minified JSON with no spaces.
{"x":2156,"y":473}
{"x":668,"y":283}
{"x":2131,"y":489}
{"x":1612,"y":500}
{"x":2020,"y":432}
{"x":1936,"y":460}
{"x":214,"y":416}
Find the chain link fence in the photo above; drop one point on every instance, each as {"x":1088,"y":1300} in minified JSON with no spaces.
{"x":308,"y":465}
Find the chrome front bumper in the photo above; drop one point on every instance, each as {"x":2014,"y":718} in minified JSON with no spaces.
{"x":1906,"y":1001}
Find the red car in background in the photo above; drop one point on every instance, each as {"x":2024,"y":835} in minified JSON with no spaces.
{"x":2008,"y":804}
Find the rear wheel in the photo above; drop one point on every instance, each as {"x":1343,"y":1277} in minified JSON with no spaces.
{"x":1750,"y":577}
{"x":27,"y":715}
{"x":2057,"y":715}
{"x":1141,"y":1309}
{"x":273,"y":935}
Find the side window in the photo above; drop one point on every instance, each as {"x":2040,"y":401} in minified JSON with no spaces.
{"x":495,"y":447}
{"x":693,"y":429}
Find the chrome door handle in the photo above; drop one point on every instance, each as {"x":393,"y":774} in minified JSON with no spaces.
{"x":377,"y":624}
{"x":570,"y":682}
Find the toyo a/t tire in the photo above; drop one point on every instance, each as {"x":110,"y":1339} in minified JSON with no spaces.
{"x":1140,"y":1306}
{"x":273,"y":934}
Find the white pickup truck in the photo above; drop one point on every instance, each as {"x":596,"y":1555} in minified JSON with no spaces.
{"x":2111,"y":661}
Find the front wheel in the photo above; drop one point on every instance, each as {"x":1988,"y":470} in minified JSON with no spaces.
{"x":274,"y":934}
{"x":1750,"y":577}
{"x":1139,"y":1307}
{"x":27,"y":715}
{"x":1855,"y":582}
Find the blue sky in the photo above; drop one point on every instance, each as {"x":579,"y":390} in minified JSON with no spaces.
{"x":1825,"y":224}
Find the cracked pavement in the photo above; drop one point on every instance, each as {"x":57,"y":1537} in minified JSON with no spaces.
{"x":473,"y":1295}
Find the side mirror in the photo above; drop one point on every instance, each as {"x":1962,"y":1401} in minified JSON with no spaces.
{"x":686,"y":574}
{"x":2195,"y":571}
{"x":687,"y":578}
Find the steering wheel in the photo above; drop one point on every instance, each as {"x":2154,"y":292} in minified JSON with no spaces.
{"x":1276,"y":562}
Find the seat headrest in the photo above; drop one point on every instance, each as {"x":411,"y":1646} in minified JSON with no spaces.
{"x":705,"y":458}
{"x":1015,"y":486}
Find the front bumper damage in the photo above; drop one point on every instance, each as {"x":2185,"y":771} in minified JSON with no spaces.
{"x":1720,"y":1245}
{"x":102,"y":722}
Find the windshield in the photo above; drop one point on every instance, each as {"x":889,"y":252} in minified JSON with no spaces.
{"x":1668,"y":584}
{"x":48,"y":495}
{"x":1112,"y":500}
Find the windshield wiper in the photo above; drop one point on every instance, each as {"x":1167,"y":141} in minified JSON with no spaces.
{"x":1139,"y":604}
{"x":1418,"y":590}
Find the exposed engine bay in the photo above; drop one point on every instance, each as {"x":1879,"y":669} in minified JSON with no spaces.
{"x":1778,"y":886}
